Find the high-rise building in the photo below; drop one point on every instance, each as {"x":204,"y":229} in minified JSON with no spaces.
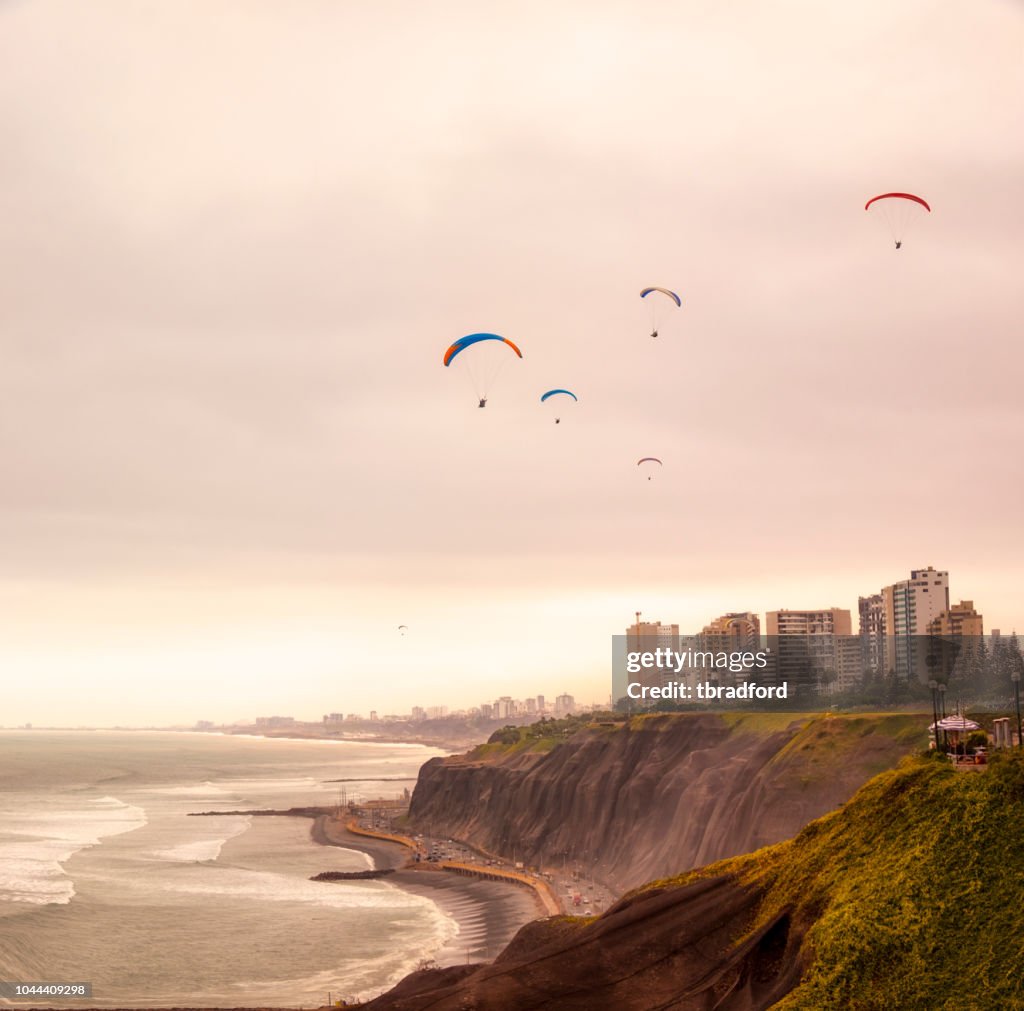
{"x":565,"y":705}
{"x":872,"y":632}
{"x":540,"y":704}
{"x":849,"y":664}
{"x":738,"y":630}
{"x":812,"y":651}
{"x":960,"y":620}
{"x":504,"y":707}
{"x":647,"y":636}
{"x":911,"y":605}
{"x":955,"y":636}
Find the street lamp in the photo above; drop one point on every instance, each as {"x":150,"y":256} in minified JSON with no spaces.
{"x":933,"y":684}
{"x":1015,"y":678}
{"x":942,"y":714}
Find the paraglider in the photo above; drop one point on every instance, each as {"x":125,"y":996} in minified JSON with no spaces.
{"x":650,"y":461}
{"x":655,"y":302}
{"x":898,"y":211}
{"x":403,"y":629}
{"x":558,"y":393}
{"x":485,"y":356}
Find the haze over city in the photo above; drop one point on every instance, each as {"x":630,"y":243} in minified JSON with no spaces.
{"x":234,"y":464}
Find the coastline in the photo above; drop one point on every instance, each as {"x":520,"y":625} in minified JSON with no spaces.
{"x":488,"y":913}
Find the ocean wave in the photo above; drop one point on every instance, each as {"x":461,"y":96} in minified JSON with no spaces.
{"x":357,"y":978}
{"x":28,"y":875}
{"x":204,"y":789}
{"x":272,"y":785}
{"x":269,"y":886}
{"x":205,"y":849}
{"x":38,"y":840}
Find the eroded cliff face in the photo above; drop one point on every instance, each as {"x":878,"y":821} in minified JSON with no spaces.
{"x":659,"y":794}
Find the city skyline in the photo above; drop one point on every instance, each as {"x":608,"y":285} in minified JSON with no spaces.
{"x":956,"y":616}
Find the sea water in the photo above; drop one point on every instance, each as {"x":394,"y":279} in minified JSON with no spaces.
{"x":105,"y":879}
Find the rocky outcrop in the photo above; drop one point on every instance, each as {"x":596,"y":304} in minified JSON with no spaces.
{"x":658,"y":795}
{"x":383,"y":872}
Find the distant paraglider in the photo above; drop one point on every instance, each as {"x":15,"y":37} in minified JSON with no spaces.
{"x":558,"y":394}
{"x":486,"y":354}
{"x":656,"y":302}
{"x":402,"y":629}
{"x":649,"y":461}
{"x":898,"y":211}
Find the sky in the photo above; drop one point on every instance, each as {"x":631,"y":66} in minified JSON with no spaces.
{"x":237,"y":238}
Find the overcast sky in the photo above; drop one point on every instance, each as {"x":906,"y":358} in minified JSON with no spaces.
{"x":237,"y":237}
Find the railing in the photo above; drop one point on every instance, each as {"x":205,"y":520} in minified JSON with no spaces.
{"x":353,"y":826}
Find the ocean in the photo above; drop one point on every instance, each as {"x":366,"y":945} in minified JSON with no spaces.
{"x":105,"y":879}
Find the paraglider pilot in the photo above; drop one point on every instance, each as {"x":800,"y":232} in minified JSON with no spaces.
{"x":483,"y":402}
{"x":898,"y":243}
{"x":654,"y":333}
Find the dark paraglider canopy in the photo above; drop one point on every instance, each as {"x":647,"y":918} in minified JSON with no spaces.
{"x":649,"y":461}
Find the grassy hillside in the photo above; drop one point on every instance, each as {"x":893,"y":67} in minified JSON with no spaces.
{"x":912,"y":895}
{"x":547,"y":733}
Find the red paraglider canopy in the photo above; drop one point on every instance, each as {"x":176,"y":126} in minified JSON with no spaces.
{"x":901,"y":196}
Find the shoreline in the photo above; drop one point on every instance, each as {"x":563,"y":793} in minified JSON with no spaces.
{"x":487,"y":913}
{"x":451,"y":747}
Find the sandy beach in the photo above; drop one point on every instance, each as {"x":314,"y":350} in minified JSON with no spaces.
{"x":488,"y":913}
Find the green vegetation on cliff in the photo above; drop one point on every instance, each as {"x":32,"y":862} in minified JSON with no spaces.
{"x":912,"y":895}
{"x":548,"y":733}
{"x":541,"y":736}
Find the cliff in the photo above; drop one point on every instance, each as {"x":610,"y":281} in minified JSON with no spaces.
{"x":659,"y":794}
{"x":910,"y":896}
